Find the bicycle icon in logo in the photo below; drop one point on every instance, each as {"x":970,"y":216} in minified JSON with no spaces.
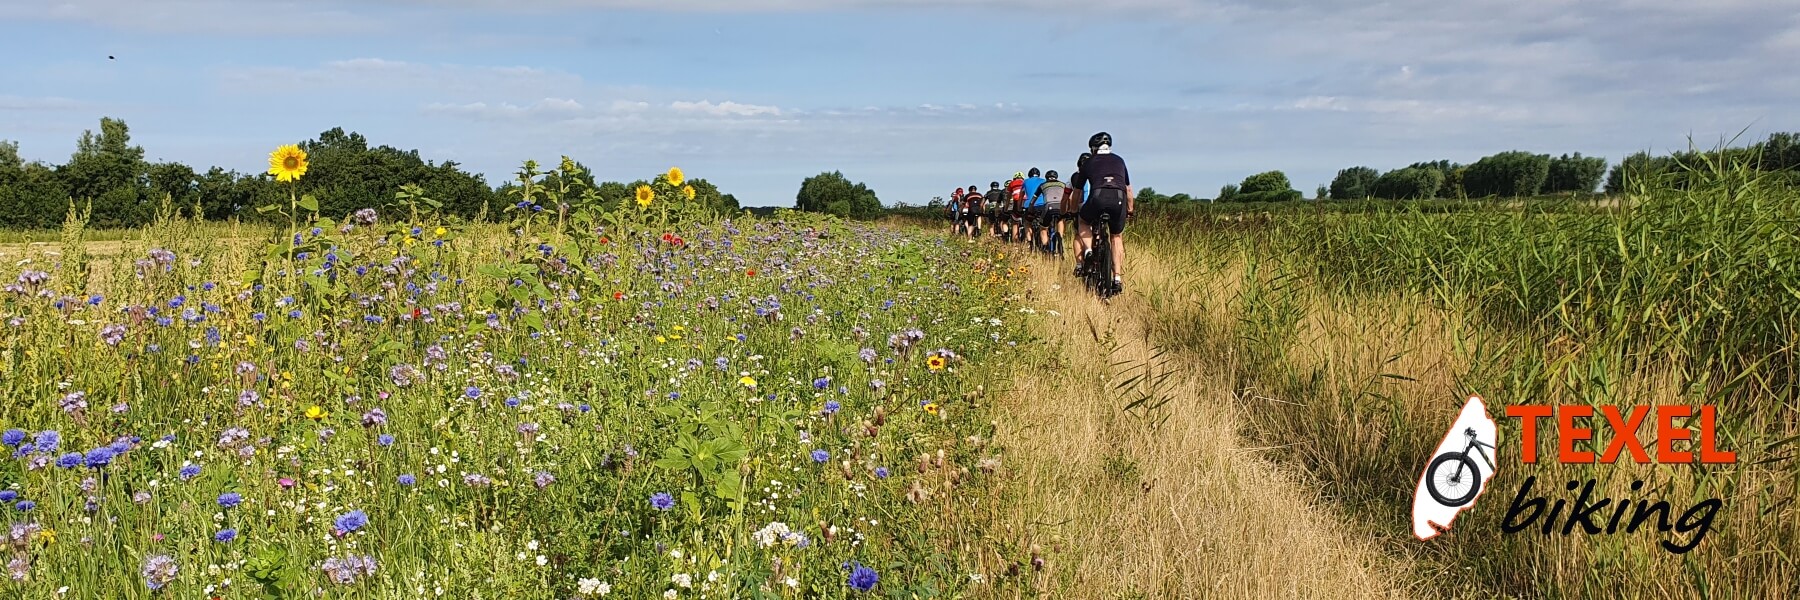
{"x":1453,"y":478}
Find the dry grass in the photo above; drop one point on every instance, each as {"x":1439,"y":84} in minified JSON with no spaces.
{"x":1164,"y":503}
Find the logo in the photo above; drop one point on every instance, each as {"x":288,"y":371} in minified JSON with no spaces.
{"x":1458,"y":471}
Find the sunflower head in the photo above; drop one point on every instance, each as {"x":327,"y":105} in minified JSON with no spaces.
{"x":287,"y":163}
{"x":688,"y":191}
{"x":675,"y":176}
{"x":645,"y":195}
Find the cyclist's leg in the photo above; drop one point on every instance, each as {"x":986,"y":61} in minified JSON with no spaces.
{"x":1118,"y":240}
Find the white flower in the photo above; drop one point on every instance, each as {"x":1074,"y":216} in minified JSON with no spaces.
{"x":531,"y":545}
{"x":541,"y":560}
{"x":791,"y":582}
{"x":682,"y":579}
{"x":770,"y":534}
{"x":589,"y":586}
{"x":669,"y":594}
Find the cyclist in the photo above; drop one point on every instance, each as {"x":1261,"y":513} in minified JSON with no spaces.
{"x":972,"y":211}
{"x":1048,"y":202}
{"x":996,"y":203}
{"x":1028,"y":203}
{"x":1109,"y":185}
{"x":953,"y":206}
{"x":1015,"y":194}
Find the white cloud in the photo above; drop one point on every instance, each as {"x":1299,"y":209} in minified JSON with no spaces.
{"x":724,"y":109}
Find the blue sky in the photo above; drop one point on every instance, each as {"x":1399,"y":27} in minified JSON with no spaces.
{"x":910,"y":96}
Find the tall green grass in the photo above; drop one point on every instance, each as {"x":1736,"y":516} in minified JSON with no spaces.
{"x":1684,"y":294}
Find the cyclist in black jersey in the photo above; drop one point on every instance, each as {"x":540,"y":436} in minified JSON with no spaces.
{"x":972,"y":210}
{"x":1109,"y":191}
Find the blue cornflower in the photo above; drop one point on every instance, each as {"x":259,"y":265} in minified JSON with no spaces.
{"x":832,"y":407}
{"x":295,"y":314}
{"x":258,"y":316}
{"x":881,"y":472}
{"x":406,"y":479}
{"x":47,"y":442}
{"x":820,"y":456}
{"x":13,"y":437}
{"x":510,"y":402}
{"x":25,"y":505}
{"x":8,"y":495}
{"x":662,"y":501}
{"x":385,"y":440}
{"x":230,"y":499}
{"x":190,"y":472}
{"x":473,"y":392}
{"x":351,"y":521}
{"x":862,"y":578}
{"x":585,"y":407}
{"x":69,"y":461}
{"x":225,"y":536}
{"x":99,"y":457}
{"x":821,"y":383}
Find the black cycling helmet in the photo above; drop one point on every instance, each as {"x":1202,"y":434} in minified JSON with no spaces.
{"x":1082,"y":162}
{"x":1034,"y":171}
{"x":973,"y":189}
{"x":1099,"y":139}
{"x":1050,"y":175}
{"x":994,"y":185}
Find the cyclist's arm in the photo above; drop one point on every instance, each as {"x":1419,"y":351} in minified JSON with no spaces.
{"x":1130,"y":200}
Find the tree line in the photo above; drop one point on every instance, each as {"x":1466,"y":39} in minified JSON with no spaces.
{"x":345,"y":173}
{"x":1510,"y":174}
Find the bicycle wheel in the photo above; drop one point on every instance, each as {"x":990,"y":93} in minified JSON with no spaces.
{"x":1453,"y":479}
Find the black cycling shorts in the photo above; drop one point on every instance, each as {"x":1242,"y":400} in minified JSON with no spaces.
{"x":1107,"y":201}
{"x":1049,"y":217}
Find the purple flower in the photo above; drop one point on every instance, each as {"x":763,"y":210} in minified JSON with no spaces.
{"x":385,"y":440}
{"x":832,"y":407}
{"x":25,"y":505}
{"x":225,"y":536}
{"x":159,"y":570}
{"x":862,"y":578}
{"x":230,"y":499}
{"x":347,"y":569}
{"x":543,"y":479}
{"x":881,"y":472}
{"x":406,"y":479}
{"x":74,"y":402}
{"x":112,"y":334}
{"x":662,"y":501}
{"x":821,"y":383}
{"x":350,"y":521}
{"x":189,"y":472}
{"x":99,"y":457}
{"x":472,"y":392}
{"x":13,"y":437}
{"x":820,"y":456}
{"x":69,"y":461}
{"x":374,"y":418}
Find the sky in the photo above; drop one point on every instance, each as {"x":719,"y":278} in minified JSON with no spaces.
{"x":909,"y":96}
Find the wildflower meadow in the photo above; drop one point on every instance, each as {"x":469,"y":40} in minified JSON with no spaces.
{"x":628,"y":397}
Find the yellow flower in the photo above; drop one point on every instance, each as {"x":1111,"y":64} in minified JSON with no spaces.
{"x":48,"y":535}
{"x":688,"y":191}
{"x":748,"y":381}
{"x":931,"y":408}
{"x":645,"y":195}
{"x":935,"y":362}
{"x":287,"y":163}
{"x":440,"y":232}
{"x":315,"y":413}
{"x":674,"y":176}
{"x":661,"y":339}
{"x":409,"y":241}
{"x":680,"y":328}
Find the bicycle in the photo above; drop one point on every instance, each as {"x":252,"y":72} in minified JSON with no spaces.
{"x":1097,"y":266}
{"x":1457,"y":469}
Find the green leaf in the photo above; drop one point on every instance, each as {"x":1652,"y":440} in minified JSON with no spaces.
{"x":729,"y":488}
{"x":308,"y":202}
{"x":672,"y":464}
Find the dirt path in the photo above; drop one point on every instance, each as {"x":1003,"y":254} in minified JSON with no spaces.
{"x":1125,"y":507}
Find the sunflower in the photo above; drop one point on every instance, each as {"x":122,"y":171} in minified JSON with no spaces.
{"x":645,"y":195}
{"x":287,"y":163}
{"x":688,"y":191}
{"x":674,"y":176}
{"x":935,"y":362}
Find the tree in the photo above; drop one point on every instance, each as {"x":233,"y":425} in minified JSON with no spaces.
{"x":1149,"y":197}
{"x":1410,"y":183}
{"x":1507,"y":174}
{"x":1449,"y":176}
{"x":1227,"y":193}
{"x":1322,"y":193}
{"x":1354,"y":183}
{"x":833,"y":193}
{"x":1267,"y":186}
{"x":1575,"y":174}
{"x":109,"y":171}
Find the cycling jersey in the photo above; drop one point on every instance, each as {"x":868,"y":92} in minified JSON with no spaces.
{"x":996,"y":200}
{"x":1031,"y":188}
{"x":1106,"y":170}
{"x":1015,"y":190}
{"x":1049,"y":194}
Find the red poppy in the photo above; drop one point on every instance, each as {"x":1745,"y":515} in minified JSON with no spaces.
{"x":416,"y":312}
{"x":605,"y":240}
{"x":750,"y":273}
{"x":618,"y":295}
